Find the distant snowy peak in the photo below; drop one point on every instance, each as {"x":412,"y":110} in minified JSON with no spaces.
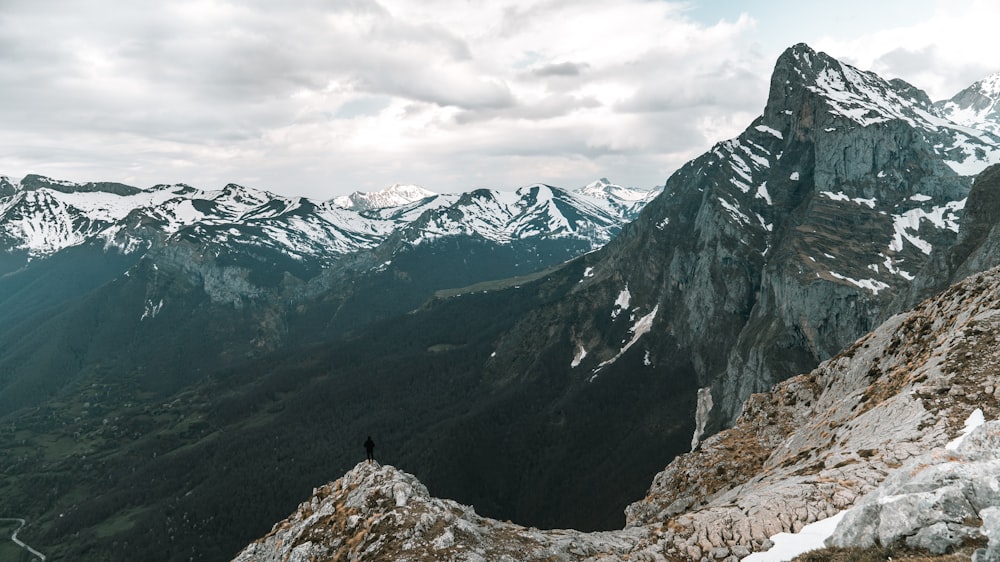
{"x":977,"y":106}
{"x":625,"y":202}
{"x":394,"y":196}
{"x":529,"y":212}
{"x":603,"y":188}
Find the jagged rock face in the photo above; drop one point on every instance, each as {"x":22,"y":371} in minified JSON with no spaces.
{"x":872,"y":197}
{"x":855,"y":430}
{"x":776,"y":249}
{"x":820,"y":442}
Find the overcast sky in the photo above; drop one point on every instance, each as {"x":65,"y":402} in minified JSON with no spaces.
{"x":324,"y":97}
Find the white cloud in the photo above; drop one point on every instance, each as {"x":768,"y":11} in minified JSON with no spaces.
{"x":950,"y":48}
{"x":321,"y":98}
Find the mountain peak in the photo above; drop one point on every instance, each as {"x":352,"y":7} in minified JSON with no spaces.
{"x":393,"y":196}
{"x":861,"y":96}
{"x":811,"y":92}
{"x":800,"y":52}
{"x":616,"y":194}
{"x":989,"y":85}
{"x":977,"y":106}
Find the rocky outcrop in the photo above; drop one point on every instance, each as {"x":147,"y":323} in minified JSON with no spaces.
{"x":935,"y":502}
{"x":377,"y":512}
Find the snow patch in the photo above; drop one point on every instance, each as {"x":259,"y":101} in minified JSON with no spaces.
{"x":841,"y":196}
{"x":621,"y":303}
{"x":763,"y":194}
{"x":906,"y":225}
{"x":872,"y":285}
{"x":890,"y":266}
{"x":581,"y":354}
{"x":974,"y":420}
{"x":734,"y":211}
{"x":769,"y":130}
{"x":641,"y":327}
{"x":794,"y":176}
{"x":789,"y":545}
{"x":151,"y":310}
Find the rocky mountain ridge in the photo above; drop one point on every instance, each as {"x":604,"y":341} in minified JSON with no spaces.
{"x":282,"y":269}
{"x":816,"y":445}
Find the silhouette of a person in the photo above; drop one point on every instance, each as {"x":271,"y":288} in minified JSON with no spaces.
{"x":370,"y":448}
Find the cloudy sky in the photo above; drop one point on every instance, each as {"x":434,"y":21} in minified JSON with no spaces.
{"x":323,"y":97}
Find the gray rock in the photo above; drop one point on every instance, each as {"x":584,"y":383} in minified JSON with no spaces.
{"x":928,"y":502}
{"x":741,"y":551}
{"x":939,"y":538}
{"x":859,"y":527}
{"x":903,"y":516}
{"x":990,"y":528}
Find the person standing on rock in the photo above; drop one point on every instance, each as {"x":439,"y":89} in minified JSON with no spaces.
{"x":370,"y":449}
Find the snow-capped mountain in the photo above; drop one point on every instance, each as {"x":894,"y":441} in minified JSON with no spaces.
{"x":396,"y":195}
{"x":864,"y":99}
{"x":626,"y":201}
{"x":525,"y":213}
{"x":977,"y":106}
{"x":41,"y":216}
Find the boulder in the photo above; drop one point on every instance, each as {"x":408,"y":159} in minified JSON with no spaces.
{"x":933,"y":501}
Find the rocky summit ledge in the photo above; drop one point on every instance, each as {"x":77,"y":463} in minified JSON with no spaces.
{"x":377,"y":512}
